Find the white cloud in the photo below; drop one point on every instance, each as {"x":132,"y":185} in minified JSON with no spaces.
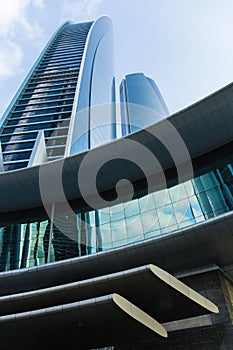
{"x":80,"y":10}
{"x":11,"y":56}
{"x":39,"y":3}
{"x":16,"y":26}
{"x":12,"y":15}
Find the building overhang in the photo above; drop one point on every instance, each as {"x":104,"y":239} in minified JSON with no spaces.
{"x":152,"y":289}
{"x":96,"y":322}
{"x":125,"y":302}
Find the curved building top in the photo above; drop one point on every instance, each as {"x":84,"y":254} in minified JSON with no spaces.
{"x":138,"y":89}
{"x":41,"y":122}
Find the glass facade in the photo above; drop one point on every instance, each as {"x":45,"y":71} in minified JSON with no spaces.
{"x":156,"y":214}
{"x":94,"y":122}
{"x":73,"y":74}
{"x":46,"y":101}
{"x":137,"y":89}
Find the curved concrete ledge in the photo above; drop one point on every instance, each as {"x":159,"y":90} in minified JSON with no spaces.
{"x":117,"y":319}
{"x":152,"y":289}
{"x":139,"y":315}
{"x":184,"y":289}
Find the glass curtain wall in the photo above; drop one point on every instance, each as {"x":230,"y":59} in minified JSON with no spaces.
{"x":46,"y":101}
{"x":137,"y":89}
{"x":159,"y":213}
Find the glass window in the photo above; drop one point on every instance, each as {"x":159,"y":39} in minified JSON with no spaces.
{"x":182,"y":210}
{"x":162,"y":198}
{"x":150,"y":221}
{"x":189,"y":188}
{"x":117,"y":212}
{"x":119,"y":234}
{"x":106,"y":233}
{"x":196,"y":209}
{"x":146,"y":203}
{"x":177,"y":193}
{"x":131,"y":208}
{"x":166,"y":216}
{"x":134,"y":226}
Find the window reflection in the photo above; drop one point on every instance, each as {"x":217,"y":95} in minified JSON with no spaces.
{"x":166,"y":211}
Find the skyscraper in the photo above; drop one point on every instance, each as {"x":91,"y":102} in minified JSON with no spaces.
{"x":138,"y":90}
{"x":64,"y":81}
{"x":86,"y":233}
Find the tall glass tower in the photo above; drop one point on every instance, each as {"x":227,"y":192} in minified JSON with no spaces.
{"x":51,"y":115}
{"x":138,"y":90}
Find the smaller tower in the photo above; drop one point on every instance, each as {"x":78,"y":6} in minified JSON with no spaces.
{"x":138,"y":90}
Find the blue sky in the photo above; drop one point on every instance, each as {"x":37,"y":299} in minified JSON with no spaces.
{"x":185,"y":46}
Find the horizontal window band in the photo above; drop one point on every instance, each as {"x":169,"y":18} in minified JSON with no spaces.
{"x":15,"y":167}
{"x":17,"y":141}
{"x":50,"y":73}
{"x":60,"y":82}
{"x":16,"y":161}
{"x":26,"y":114}
{"x":69,"y":39}
{"x":74,"y":66}
{"x":58,"y":53}
{"x":35,"y":128}
{"x":33,"y":131}
{"x":44,"y":115}
{"x":34,"y":92}
{"x":55,"y":60}
{"x":17,"y":156}
{"x":17,"y":151}
{"x":32,"y":140}
{"x":35,"y":123}
{"x":62,"y":54}
{"x":72,"y":33}
{"x":44,"y":96}
{"x":62,"y":48}
{"x":63,"y":83}
{"x":30,"y":149}
{"x":44,"y":102}
{"x":43,"y":108}
{"x":62,"y":72}
{"x":65,"y":68}
{"x":68,"y":42}
{"x":53,"y":78}
{"x":55,"y":87}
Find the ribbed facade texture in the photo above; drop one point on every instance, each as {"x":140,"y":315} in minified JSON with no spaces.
{"x":46,"y":101}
